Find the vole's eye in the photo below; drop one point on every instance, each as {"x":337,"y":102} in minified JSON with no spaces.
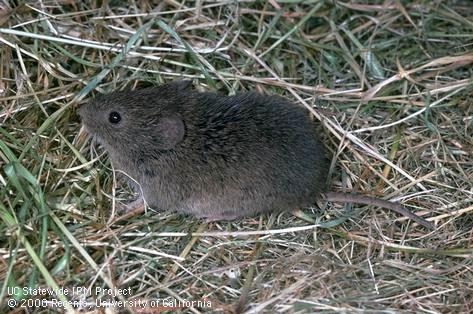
{"x":114,"y":117}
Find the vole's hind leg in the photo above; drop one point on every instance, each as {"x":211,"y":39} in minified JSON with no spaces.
{"x":218,"y":217}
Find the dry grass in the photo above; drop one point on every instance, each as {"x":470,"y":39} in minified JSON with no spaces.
{"x":390,"y":82}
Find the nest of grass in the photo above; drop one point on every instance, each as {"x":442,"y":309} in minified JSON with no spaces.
{"x":391,"y":84}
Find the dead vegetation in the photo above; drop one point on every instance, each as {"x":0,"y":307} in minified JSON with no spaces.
{"x":391,"y":83}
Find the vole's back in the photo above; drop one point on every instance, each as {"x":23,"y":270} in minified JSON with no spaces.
{"x":240,"y":155}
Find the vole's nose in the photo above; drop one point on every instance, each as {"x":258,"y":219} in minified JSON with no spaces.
{"x":80,"y":111}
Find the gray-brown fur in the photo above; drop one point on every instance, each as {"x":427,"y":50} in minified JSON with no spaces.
{"x":238,"y":156}
{"x":210,"y":155}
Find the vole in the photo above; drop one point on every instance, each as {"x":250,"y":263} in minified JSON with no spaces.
{"x":214,"y":156}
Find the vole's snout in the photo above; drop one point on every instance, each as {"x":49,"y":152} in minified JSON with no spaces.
{"x":85,"y":118}
{"x":81,"y":111}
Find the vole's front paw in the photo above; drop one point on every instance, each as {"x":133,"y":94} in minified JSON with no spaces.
{"x":137,"y":205}
{"x":126,"y":211}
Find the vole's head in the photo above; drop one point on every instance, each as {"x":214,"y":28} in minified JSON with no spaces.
{"x":137,"y":121}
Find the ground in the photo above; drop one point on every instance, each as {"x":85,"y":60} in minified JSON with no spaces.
{"x":390,"y":83}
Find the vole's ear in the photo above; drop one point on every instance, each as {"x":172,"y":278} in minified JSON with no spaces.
{"x":180,"y":85}
{"x":171,"y":130}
